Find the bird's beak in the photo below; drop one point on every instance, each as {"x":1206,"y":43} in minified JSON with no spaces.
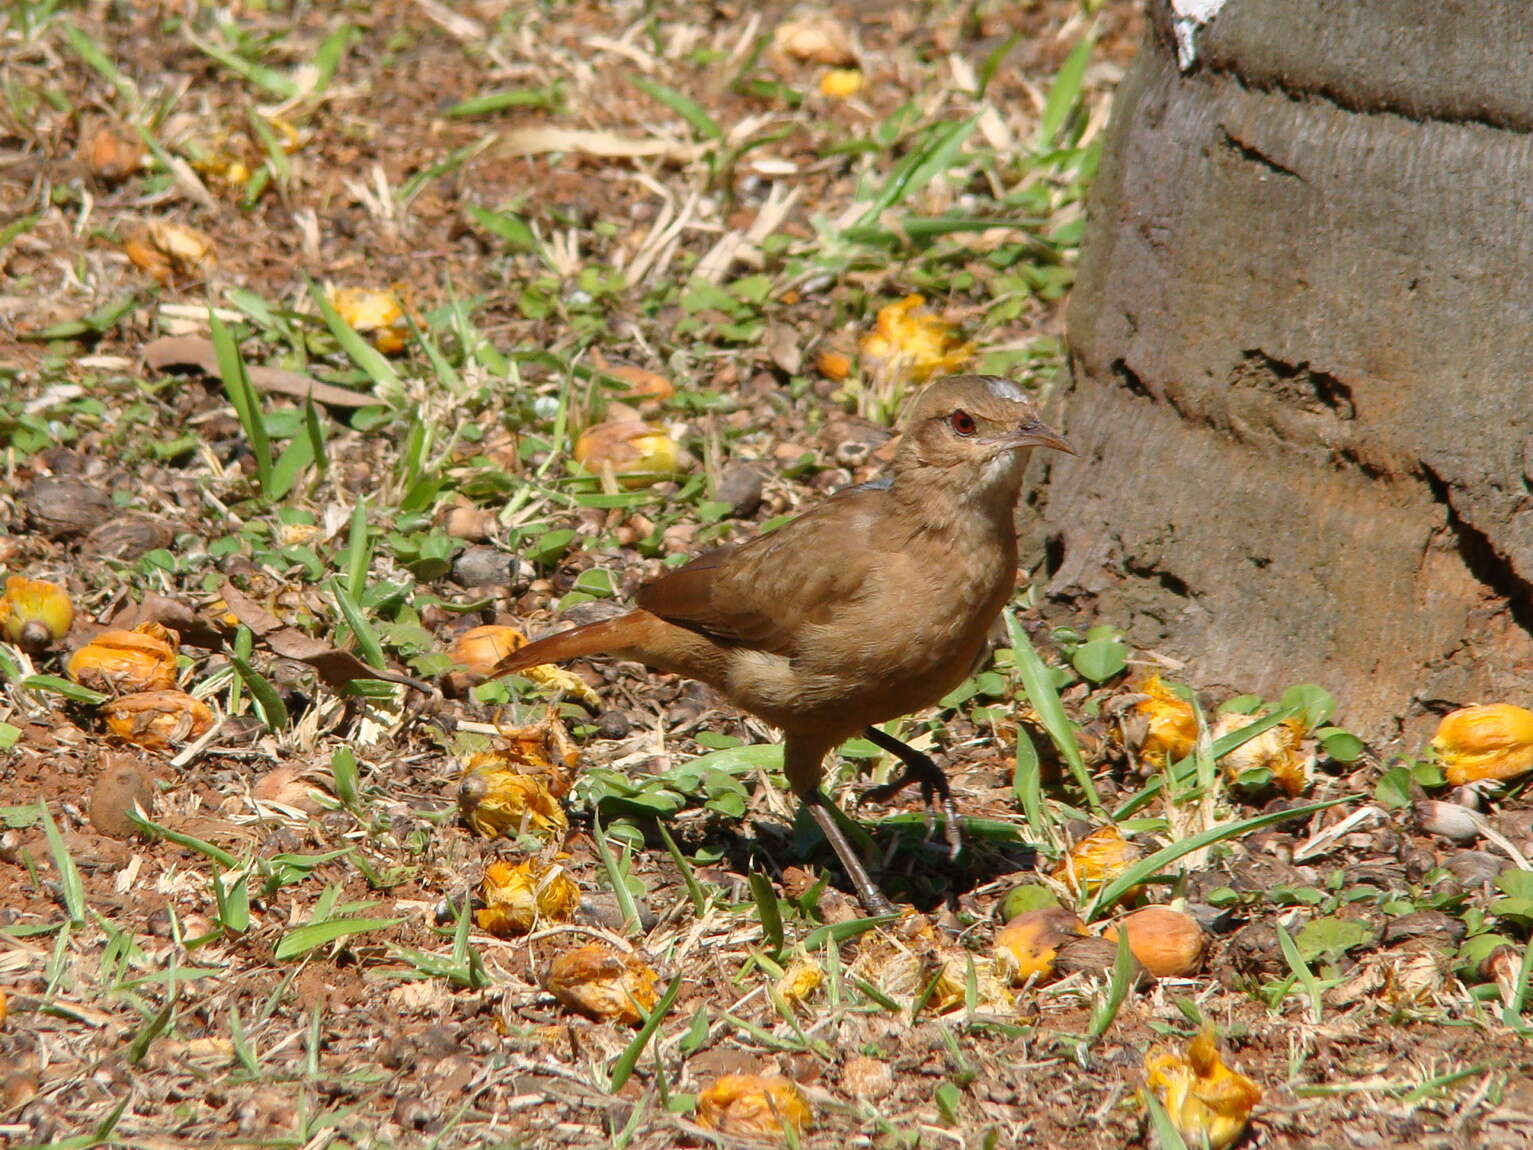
{"x":1036,"y":433}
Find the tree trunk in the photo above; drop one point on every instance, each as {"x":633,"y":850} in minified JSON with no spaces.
{"x":1300,"y":349}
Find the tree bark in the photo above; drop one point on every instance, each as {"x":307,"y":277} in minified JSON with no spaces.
{"x":1301,"y":343}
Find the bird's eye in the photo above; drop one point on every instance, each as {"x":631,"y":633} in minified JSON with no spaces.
{"x":962,"y":422}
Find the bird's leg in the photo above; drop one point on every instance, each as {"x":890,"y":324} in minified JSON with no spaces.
{"x":919,"y":768}
{"x":802,"y":760}
{"x":872,"y":899}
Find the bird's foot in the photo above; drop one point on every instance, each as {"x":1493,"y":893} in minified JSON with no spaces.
{"x":936,"y":793}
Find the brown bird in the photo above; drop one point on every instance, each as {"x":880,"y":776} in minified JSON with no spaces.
{"x":876,"y":603}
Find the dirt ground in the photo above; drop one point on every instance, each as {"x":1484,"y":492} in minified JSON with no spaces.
{"x":290,"y":954}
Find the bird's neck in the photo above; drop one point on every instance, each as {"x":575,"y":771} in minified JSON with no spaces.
{"x":959,"y":503}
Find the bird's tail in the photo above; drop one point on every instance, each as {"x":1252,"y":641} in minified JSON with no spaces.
{"x":602,"y":637}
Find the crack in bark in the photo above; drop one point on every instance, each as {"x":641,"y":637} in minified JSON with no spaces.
{"x":1318,"y":392}
{"x":1350,"y":103}
{"x":1253,"y":154}
{"x":1173,"y":584}
{"x":1488,"y":565}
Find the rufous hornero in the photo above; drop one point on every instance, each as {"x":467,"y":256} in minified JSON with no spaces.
{"x":873,"y":604}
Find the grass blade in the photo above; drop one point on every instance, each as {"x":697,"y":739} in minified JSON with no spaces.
{"x":362,"y":353}
{"x":615,"y":877}
{"x":685,"y":107}
{"x":1147,"y":867}
{"x":1302,"y":972}
{"x":155,"y":831}
{"x":316,"y":433}
{"x":920,"y":168}
{"x":152,"y":1029}
{"x":694,"y":888}
{"x":294,"y":460}
{"x":247,"y":405}
{"x":276,"y":84}
{"x":273,"y":710}
{"x":89,"y":51}
{"x":1517,"y":1000}
{"x":769,"y":912}
{"x":233,"y":903}
{"x":1065,"y":92}
{"x":64,"y":688}
{"x":1039,"y":685}
{"x":839,"y":932}
{"x":358,"y":553}
{"x":1027,"y":785}
{"x":343,"y":772}
{"x":992,"y":64}
{"x":244,"y":1048}
{"x":305,"y":938}
{"x":368,"y":646}
{"x":1183,"y":770}
{"x":328,"y":58}
{"x":71,"y":886}
{"x":622,"y":1070}
{"x":1118,"y":982}
{"x":1167,"y":1136}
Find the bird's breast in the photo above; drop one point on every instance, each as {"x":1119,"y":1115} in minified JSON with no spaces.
{"x":911,"y":634}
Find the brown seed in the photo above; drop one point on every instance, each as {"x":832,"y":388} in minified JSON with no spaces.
{"x":1166,"y":942}
{"x":867,"y":1079}
{"x":1453,"y":822}
{"x":1088,"y":956}
{"x":113,"y":152}
{"x":18,"y":1089}
{"x":287,"y":786}
{"x":816,"y":38}
{"x":63,"y":507}
{"x":127,"y":537}
{"x":475,"y":524}
{"x":121,"y":787}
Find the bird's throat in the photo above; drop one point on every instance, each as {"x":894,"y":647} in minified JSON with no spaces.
{"x":960,"y":505}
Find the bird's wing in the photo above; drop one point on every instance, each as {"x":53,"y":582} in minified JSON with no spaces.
{"x":759,"y":594}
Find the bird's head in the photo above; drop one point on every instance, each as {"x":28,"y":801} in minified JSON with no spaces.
{"x":978,"y":427}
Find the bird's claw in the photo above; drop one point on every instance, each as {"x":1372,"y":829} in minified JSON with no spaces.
{"x":935,"y":796}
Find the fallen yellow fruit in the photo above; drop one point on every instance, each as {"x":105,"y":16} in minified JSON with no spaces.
{"x":157,"y":720}
{"x":634,"y":454}
{"x":1207,"y":1102}
{"x":1490,"y":741}
{"x":379,"y":314}
{"x":747,"y":1104}
{"x":1278,"y":749}
{"x":1167,"y":943}
{"x":122,"y":662}
{"x":1096,"y":860}
{"x":34,"y":612}
{"x":603,"y":984}
{"x":518,"y":896}
{"x":915,"y":342}
{"x":496,"y":799}
{"x":1172,"y":724}
{"x":480,"y":648}
{"x":839,"y":83}
{"x":1025,"y":947}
